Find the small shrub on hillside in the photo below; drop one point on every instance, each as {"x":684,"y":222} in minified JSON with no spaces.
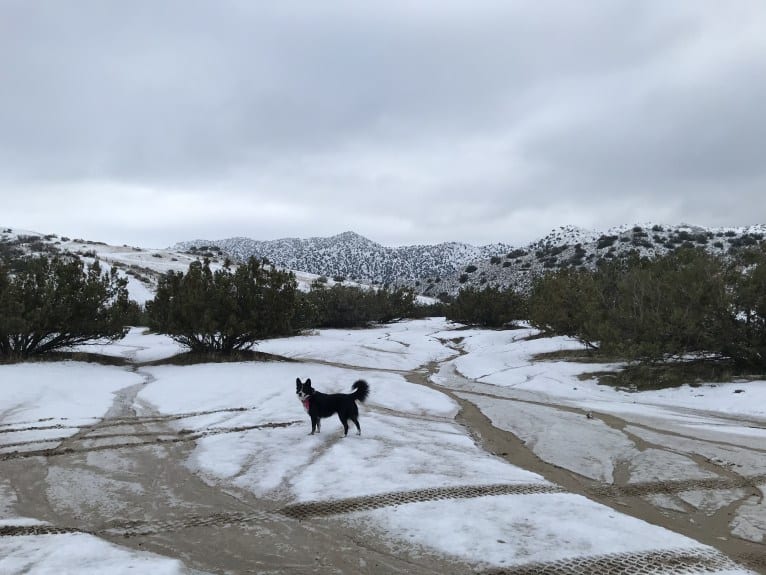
{"x":346,"y":307}
{"x":489,"y":307}
{"x":605,"y":241}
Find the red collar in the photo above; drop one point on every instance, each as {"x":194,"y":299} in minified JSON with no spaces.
{"x":305,"y":403}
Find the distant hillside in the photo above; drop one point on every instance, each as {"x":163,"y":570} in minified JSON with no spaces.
{"x":142,"y":267}
{"x":352,"y":256}
{"x":573,"y":247}
{"x":432,"y":270}
{"x":448,"y":267}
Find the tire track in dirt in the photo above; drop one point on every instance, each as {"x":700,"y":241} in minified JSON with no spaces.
{"x":216,"y":519}
{"x":158,"y":438}
{"x":313,"y":509}
{"x":300,"y":511}
{"x":119,"y":421}
{"x":670,"y":486}
{"x":39,"y":428}
{"x":308,"y":510}
{"x":660,"y":562}
{"x":665,"y":562}
{"x":368,"y":502}
{"x":102,"y":424}
{"x":26,"y":530}
{"x":31,"y":421}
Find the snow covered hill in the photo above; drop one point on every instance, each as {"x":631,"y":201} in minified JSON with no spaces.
{"x":352,"y":256}
{"x":446,"y":268}
{"x":141,"y":266}
{"x":574,"y":247}
{"x":431,"y":269}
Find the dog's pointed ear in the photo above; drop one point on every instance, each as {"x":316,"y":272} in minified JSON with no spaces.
{"x":308,"y":382}
{"x":297,"y":381}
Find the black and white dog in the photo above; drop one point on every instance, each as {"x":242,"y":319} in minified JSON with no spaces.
{"x":320,"y":405}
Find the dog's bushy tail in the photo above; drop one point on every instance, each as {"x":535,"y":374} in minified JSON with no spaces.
{"x":361,"y":390}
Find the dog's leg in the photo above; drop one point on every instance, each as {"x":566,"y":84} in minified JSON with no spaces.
{"x":314,"y":425}
{"x":356,"y":422}
{"x":345,"y":425}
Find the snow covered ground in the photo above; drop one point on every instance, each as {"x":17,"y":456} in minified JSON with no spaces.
{"x":506,"y":359}
{"x":50,"y":400}
{"x":503,"y":362}
{"x":77,"y":553}
{"x":256,"y":439}
{"x":40,"y":404}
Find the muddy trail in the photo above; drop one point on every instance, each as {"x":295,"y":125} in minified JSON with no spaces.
{"x":123,"y":478}
{"x":712,"y":529}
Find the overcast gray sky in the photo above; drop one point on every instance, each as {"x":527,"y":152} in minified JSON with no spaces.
{"x":148,"y":122}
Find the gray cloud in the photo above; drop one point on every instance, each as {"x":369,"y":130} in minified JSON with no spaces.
{"x":152,"y":122}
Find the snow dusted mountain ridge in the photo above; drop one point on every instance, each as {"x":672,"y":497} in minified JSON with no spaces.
{"x":352,"y":256}
{"x":574,"y":247}
{"x":433,"y":270}
{"x":449,"y":267}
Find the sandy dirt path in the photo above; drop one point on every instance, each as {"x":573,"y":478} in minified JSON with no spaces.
{"x":709,"y":526}
{"x":124,"y":479}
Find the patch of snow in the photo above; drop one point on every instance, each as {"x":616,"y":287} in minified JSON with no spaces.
{"x":515,"y":529}
{"x":79,"y":553}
